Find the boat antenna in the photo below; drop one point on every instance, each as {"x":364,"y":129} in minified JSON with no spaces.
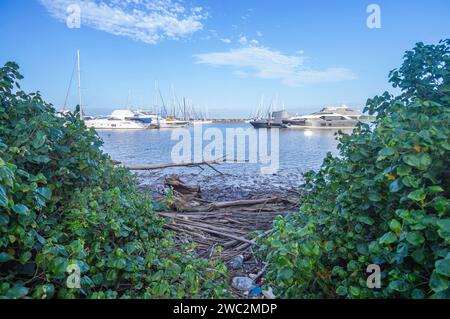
{"x":79,"y":84}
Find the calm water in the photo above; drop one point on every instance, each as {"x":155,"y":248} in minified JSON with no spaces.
{"x":299,"y":152}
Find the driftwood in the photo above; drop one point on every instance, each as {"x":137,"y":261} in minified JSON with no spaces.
{"x":176,"y":184}
{"x":192,"y":164}
{"x":232,"y":225}
{"x":245,"y":202}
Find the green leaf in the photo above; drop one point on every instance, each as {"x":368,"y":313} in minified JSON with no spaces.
{"x":3,"y":197}
{"x":399,"y":285}
{"x":403,"y":170}
{"x":418,"y":294}
{"x":415,"y":238}
{"x":388,"y":238}
{"x":286,"y":274}
{"x":7,"y":175}
{"x":4,"y":257}
{"x":17,"y":292}
{"x":434,"y":189}
{"x":443,"y":267}
{"x":419,"y":160}
{"x":4,"y":219}
{"x":395,"y":225}
{"x":26,"y":256}
{"x":374,"y":197}
{"x":121,"y":263}
{"x":366,"y":220}
{"x":341,"y":291}
{"x":39,"y":139}
{"x":395,"y":186}
{"x":45,"y":192}
{"x":444,"y":224}
{"x":440,"y":204}
{"x":355,"y":291}
{"x":20,"y":209}
{"x":417,"y":195}
{"x":438,"y":282}
{"x":387,"y":151}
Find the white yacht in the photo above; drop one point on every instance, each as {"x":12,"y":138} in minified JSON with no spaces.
{"x":327,"y":118}
{"x":119,"y":119}
{"x":169,"y":123}
{"x":147,"y":117}
{"x":343,"y":110}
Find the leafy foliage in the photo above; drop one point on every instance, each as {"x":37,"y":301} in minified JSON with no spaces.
{"x":62,"y":202}
{"x":384,"y":200}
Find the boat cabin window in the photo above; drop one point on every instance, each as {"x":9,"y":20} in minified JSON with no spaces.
{"x":332,"y":118}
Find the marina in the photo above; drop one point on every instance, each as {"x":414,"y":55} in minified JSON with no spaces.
{"x":184,"y":114}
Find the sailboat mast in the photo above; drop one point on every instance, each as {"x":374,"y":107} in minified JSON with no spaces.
{"x":79,"y":84}
{"x":174,"y":107}
{"x":155,"y":106}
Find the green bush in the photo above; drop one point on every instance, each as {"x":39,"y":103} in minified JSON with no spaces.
{"x":384,"y":200}
{"x":63,"y":203}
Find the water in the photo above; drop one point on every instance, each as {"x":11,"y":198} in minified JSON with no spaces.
{"x":299,"y":152}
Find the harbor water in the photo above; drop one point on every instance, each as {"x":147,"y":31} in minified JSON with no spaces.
{"x":299,"y":151}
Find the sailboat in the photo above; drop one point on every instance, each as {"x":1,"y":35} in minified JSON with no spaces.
{"x":119,"y":119}
{"x":164,"y":120}
{"x":202,"y":119}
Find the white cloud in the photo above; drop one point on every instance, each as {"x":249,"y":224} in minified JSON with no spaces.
{"x":149,"y":21}
{"x":264,"y":63}
{"x":259,"y":34}
{"x":243,"y":40}
{"x":225,"y":40}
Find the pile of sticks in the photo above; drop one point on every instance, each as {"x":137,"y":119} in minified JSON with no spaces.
{"x":232,"y":225}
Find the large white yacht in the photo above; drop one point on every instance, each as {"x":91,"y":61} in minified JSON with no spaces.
{"x":329,"y":117}
{"x":119,"y":119}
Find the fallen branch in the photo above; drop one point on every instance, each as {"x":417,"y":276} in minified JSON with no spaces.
{"x":245,"y":240}
{"x":162,"y":166}
{"x":245,"y":202}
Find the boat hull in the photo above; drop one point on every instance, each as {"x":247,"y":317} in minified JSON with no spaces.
{"x":258,"y":125}
{"x":172,"y":124}
{"x":115,"y":125}
{"x":321,"y":124}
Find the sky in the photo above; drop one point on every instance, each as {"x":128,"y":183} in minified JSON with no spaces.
{"x":223,"y":56}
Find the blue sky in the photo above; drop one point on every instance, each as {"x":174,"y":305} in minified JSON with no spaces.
{"x":219,"y":54}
